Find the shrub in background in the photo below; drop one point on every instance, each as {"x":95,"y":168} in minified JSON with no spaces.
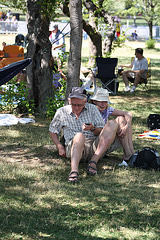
{"x":15,"y":96}
{"x":150,"y":44}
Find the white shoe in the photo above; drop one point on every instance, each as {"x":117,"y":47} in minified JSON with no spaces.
{"x":123,"y":163}
{"x":127,"y":89}
{"x":132,"y":90}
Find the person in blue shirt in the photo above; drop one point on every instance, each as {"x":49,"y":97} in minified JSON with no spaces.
{"x":58,"y":45}
{"x":134,"y":35}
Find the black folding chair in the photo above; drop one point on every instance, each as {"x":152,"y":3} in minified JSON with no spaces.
{"x":107,"y":73}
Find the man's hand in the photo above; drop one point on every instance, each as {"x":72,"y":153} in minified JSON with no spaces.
{"x":59,"y":146}
{"x":62,"y":151}
{"x":87,"y":126}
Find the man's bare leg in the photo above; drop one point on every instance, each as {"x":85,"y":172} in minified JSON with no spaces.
{"x":76,"y":153}
{"x":125,"y":76}
{"x":137,"y":79}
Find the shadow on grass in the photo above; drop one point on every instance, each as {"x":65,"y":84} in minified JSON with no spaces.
{"x":157,"y":49}
{"x":47,"y":207}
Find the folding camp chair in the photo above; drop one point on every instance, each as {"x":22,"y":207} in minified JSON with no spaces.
{"x":107,"y":73}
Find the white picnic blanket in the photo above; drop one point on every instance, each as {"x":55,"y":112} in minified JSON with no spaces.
{"x":9,"y":119}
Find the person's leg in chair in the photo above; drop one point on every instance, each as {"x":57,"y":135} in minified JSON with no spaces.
{"x":125,"y":76}
{"x":136,"y":81}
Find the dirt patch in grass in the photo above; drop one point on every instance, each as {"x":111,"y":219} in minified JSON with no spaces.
{"x":138,"y":99}
{"x":48,"y":156}
{"x":30,"y":155}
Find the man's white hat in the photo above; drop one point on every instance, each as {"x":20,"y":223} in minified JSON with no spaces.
{"x":101,"y":94}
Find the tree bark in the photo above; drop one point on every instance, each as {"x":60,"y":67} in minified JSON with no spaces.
{"x":107,"y":19}
{"x":94,"y":35}
{"x":39,"y":73}
{"x":95,"y":41}
{"x":74,"y":60}
{"x":107,"y":47}
{"x":150,"y":25}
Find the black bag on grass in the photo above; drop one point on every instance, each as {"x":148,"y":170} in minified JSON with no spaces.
{"x":147,"y":158}
{"x":153,"y":121}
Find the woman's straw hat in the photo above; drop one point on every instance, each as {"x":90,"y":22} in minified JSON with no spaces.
{"x":101,"y":94}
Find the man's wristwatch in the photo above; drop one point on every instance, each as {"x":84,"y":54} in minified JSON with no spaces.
{"x":93,"y":129}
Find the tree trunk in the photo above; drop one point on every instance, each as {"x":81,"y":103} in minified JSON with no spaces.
{"x":74,"y":60}
{"x":107,"y":47}
{"x":108,"y":20}
{"x":150,"y":25}
{"x":95,"y":41}
{"x":39,"y":73}
{"x":94,"y":35}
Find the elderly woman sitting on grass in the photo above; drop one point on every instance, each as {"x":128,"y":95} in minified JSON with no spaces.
{"x":124,"y":132}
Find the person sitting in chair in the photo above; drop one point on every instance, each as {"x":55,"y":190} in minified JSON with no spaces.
{"x":139,"y":67}
{"x":89,"y":79}
{"x":134,"y":35}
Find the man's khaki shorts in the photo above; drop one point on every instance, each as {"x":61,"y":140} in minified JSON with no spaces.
{"x":90,"y":147}
{"x":132,"y":76}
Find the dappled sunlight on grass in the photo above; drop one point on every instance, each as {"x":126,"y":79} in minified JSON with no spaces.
{"x":37,"y":202}
{"x":41,"y":201}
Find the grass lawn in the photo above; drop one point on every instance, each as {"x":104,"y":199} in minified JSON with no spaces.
{"x":37,"y":202}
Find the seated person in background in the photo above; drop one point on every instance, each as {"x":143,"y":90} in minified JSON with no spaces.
{"x":124,"y":132}
{"x":20,"y":40}
{"x":57,"y":74}
{"x":139,"y":67}
{"x":86,"y":135}
{"x":89,"y":79}
{"x":4,"y":44}
{"x":134,"y":35}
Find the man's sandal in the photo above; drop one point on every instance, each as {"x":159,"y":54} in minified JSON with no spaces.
{"x":73,"y":179}
{"x":90,"y":167}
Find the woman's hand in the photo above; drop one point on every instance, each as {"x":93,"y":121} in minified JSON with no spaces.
{"x":123,"y":131}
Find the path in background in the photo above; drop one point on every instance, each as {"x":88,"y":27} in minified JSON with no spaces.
{"x":8,"y":38}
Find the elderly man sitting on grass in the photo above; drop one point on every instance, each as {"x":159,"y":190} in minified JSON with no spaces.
{"x":86,"y":135}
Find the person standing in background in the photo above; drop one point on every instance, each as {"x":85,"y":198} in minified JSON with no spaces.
{"x":58,"y":49}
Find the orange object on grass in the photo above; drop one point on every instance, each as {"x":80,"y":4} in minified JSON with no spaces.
{"x":12,"y":53}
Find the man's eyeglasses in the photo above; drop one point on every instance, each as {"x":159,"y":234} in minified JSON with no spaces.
{"x":76,"y":105}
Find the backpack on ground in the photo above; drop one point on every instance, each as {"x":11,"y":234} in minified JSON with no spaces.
{"x":147,"y":158}
{"x":153,"y":121}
